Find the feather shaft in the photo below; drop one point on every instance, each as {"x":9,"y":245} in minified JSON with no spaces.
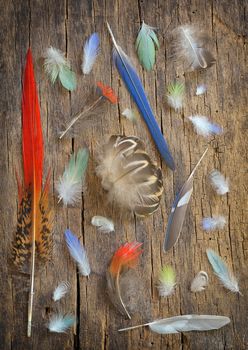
{"x":136,"y":90}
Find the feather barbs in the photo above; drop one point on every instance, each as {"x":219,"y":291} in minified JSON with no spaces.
{"x":126,"y":256}
{"x":107,"y":92}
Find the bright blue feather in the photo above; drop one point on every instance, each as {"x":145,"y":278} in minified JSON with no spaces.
{"x":135,"y":88}
{"x":91,"y":50}
{"x":77,"y":252}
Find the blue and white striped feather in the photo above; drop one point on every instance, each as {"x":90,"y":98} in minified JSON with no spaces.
{"x":77,"y":252}
{"x":59,"y":323}
{"x":91,"y":51}
{"x":136,"y":90}
{"x":222,"y":272}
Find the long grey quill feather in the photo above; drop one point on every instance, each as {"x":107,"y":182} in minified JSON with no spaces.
{"x":178,"y":210}
{"x":184,"y":323}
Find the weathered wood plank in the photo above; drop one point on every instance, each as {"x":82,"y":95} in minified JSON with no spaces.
{"x":66,"y":25}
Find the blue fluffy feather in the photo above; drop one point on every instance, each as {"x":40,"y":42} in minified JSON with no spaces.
{"x":136,"y":90}
{"x":91,"y":51}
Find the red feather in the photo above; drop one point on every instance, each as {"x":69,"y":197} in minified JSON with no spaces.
{"x":32,"y":141}
{"x":107,"y":92}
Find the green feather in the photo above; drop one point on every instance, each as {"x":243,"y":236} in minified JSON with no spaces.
{"x":68,"y":78}
{"x":146,"y":44}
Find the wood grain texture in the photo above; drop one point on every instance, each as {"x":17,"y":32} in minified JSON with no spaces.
{"x":65,"y":25}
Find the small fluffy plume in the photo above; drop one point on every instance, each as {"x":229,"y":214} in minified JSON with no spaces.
{"x":200,"y":89}
{"x":204,"y":127}
{"x":70,"y":185}
{"x":130,"y":115}
{"x":222,"y":272}
{"x":214,"y":223}
{"x":175,"y":95}
{"x":200,"y":282}
{"x":61,"y":290}
{"x":59,"y":323}
{"x":104,"y":225}
{"x":219,"y":182}
{"x":167,"y":281}
{"x":91,"y":51}
{"x":77,"y":252}
{"x":57,"y":66}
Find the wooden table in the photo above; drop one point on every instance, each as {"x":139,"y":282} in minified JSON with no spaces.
{"x":66,"y":25}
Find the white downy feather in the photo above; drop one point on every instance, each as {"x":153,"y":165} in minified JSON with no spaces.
{"x":103,"y":224}
{"x":214,"y":223}
{"x":219,"y":182}
{"x":54,"y":61}
{"x":59,"y":323}
{"x":200,"y":282}
{"x":201,"y":89}
{"x":61,"y":290}
{"x":204,"y":127}
{"x":130,"y":115}
{"x":184,"y":323}
{"x":222,"y":272}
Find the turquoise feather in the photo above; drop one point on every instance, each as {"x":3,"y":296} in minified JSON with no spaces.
{"x":146,"y":44}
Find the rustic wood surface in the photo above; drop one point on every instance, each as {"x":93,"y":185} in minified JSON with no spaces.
{"x":65,"y":25}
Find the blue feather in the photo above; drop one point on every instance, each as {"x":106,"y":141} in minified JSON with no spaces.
{"x":77,"y":252}
{"x":91,"y":51}
{"x":136,"y":90}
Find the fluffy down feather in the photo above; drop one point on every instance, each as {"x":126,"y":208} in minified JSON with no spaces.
{"x":204,"y":127}
{"x":59,"y":323}
{"x":128,"y":174}
{"x":103,"y":224}
{"x":200,"y":282}
{"x":61,"y":290}
{"x":219,"y":183}
{"x":214,"y":223}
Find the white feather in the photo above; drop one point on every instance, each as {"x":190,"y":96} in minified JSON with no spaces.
{"x":214,"y":223}
{"x":54,"y":62}
{"x":184,"y":323}
{"x":219,"y":183}
{"x":204,"y":127}
{"x":199,"y":282}
{"x":70,"y":185}
{"x":103,"y":224}
{"x":91,"y":51}
{"x":130,"y":115}
{"x":222,"y":272}
{"x":77,"y":252}
{"x":200,"y":89}
{"x":59,"y":323}
{"x":61,"y":290}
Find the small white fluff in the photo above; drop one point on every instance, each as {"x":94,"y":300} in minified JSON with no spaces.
{"x":200,"y":282}
{"x":201,"y":89}
{"x":61,"y":290}
{"x":103,"y":224}
{"x":130,"y":115}
{"x":214,"y":223}
{"x":204,"y":127}
{"x":59,"y":323}
{"x":219,"y":182}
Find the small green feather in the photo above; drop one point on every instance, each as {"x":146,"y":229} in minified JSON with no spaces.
{"x":146,"y":44}
{"x":68,"y":78}
{"x":175,"y":95}
{"x":167,"y":275}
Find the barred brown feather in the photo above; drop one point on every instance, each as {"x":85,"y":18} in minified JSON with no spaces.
{"x":129,"y":175}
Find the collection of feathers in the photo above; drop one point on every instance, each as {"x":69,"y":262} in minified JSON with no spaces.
{"x":128,"y":175}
